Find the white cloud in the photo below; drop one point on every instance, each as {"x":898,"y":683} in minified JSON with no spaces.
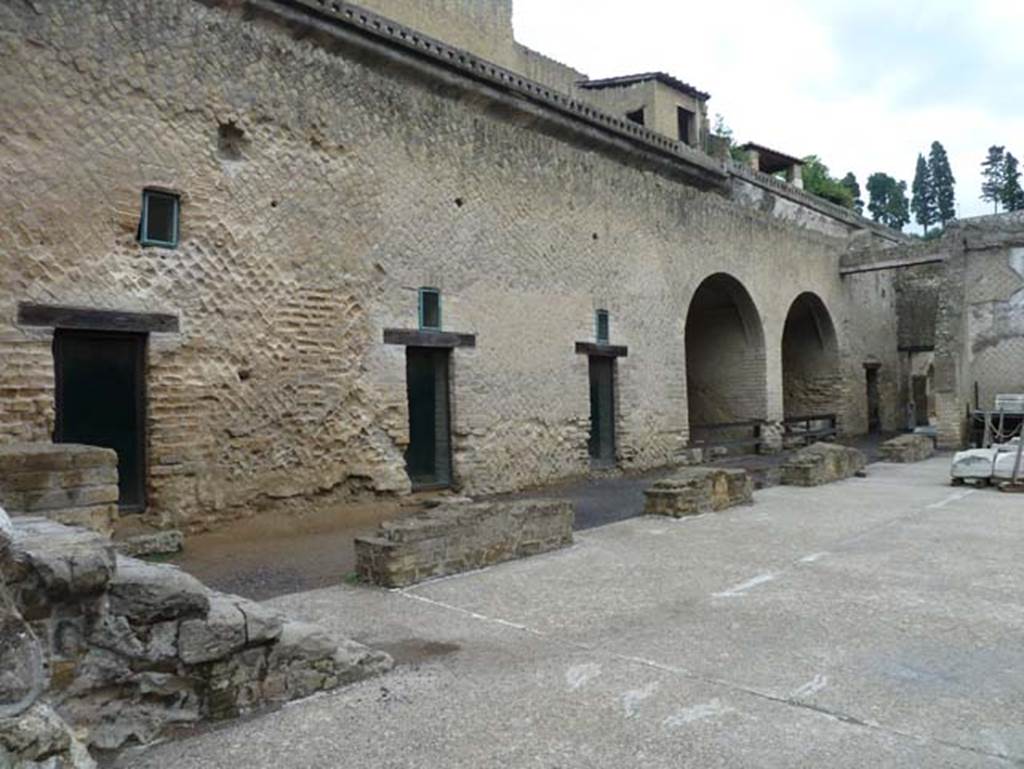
{"x":866,"y":86}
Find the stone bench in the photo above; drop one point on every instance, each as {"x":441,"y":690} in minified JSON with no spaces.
{"x":698,"y":490}
{"x":462,"y":537}
{"x":822,"y":463}
{"x":907,"y":448}
{"x":65,"y":482}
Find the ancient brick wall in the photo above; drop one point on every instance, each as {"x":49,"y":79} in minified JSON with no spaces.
{"x":320,"y":188}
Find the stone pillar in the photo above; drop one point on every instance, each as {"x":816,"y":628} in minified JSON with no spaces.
{"x":754,"y":159}
{"x":795,"y":175}
{"x":772,"y":435}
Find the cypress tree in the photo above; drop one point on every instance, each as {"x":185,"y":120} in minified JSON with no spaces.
{"x":1011,"y":195}
{"x":850,"y":182}
{"x":943,"y":183}
{"x":923,"y":202}
{"x":992,"y":175}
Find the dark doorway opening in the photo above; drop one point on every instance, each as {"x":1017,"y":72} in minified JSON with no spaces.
{"x":428,"y":458}
{"x":602,"y":411}
{"x":920,"y":388}
{"x":874,"y":402}
{"x":101,"y":401}
{"x":636,"y":116}
{"x":685,"y":120}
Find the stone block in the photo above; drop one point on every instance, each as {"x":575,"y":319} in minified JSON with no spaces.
{"x":907,"y":448}
{"x":215,"y":636}
{"x":699,"y":490}
{"x":307,"y":659}
{"x":146,"y":593}
{"x":1005,"y":464}
{"x":41,"y":739}
{"x":158,"y":543}
{"x":98,"y":518}
{"x":53,"y":563}
{"x":973,"y":464}
{"x":68,"y":483}
{"x":822,"y":463}
{"x":462,"y":537}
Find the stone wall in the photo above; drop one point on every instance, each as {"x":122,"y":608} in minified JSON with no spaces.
{"x":961,"y":322}
{"x":64,"y":482}
{"x":462,"y":537}
{"x":133,"y":650}
{"x":353,"y":178}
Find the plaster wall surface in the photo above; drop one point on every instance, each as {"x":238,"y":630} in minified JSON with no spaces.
{"x":354,"y":181}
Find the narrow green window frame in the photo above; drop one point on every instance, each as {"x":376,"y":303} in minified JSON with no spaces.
{"x":603,"y":322}
{"x":161,"y":219}
{"x":430,"y":309}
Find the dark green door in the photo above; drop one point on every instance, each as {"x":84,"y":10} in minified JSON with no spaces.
{"x":602,"y":410}
{"x":101,"y":401}
{"x":874,"y":402}
{"x":428,"y":458}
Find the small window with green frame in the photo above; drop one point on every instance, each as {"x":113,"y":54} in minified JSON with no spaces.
{"x":603,"y":323}
{"x":430,"y":309}
{"x":160,"y":223}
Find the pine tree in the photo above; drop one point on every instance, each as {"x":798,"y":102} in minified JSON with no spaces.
{"x":1011,"y":195}
{"x":992,"y":171}
{"x":943,"y":183}
{"x":923,"y":202}
{"x":899,"y":207}
{"x":850,"y":182}
{"x":887,"y":201}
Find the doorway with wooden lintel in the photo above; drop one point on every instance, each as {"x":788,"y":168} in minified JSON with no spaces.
{"x":602,"y":359}
{"x":99,"y":361}
{"x":429,"y":360}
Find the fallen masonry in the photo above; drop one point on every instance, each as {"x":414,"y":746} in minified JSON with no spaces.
{"x":822,"y":463}
{"x":131,"y":649}
{"x":698,"y":490}
{"x":456,"y":538}
{"x":907,"y":448}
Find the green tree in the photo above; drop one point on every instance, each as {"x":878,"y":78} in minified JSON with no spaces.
{"x":850,"y":182}
{"x":887,"y":201}
{"x":1011,"y":195}
{"x":818,"y":181}
{"x":992,"y":173}
{"x":721,"y":130}
{"x":923,"y":202}
{"x":943,"y":183}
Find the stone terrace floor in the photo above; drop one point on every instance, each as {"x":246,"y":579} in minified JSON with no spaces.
{"x":271,"y":555}
{"x":875,"y":622}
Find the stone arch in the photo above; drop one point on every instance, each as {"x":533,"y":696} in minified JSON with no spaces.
{"x":811,"y":378}
{"x":725,"y":355}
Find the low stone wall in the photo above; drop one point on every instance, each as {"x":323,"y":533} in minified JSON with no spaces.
{"x":64,"y":482}
{"x":462,"y":537}
{"x":822,"y":463}
{"x":134,"y":649}
{"x":907,"y":448}
{"x":698,"y":490}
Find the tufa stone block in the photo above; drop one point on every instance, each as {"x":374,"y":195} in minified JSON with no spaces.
{"x":822,"y":463}
{"x":699,"y":490}
{"x":907,"y":448}
{"x":462,"y":537}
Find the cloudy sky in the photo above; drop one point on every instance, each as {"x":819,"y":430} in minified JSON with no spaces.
{"x":866,"y":85}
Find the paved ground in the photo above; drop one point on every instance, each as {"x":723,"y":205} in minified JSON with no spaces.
{"x":271,"y":555}
{"x":872,"y":623}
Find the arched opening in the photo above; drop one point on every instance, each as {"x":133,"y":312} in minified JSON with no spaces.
{"x":811,"y":382}
{"x":725,"y":364}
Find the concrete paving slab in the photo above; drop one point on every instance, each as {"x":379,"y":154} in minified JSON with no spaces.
{"x":876,"y":622}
